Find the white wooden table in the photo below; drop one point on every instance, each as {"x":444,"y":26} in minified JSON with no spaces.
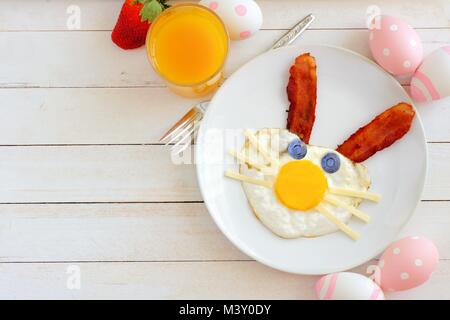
{"x":86,"y":189}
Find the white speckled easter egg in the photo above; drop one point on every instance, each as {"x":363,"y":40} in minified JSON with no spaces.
{"x":432,"y":80}
{"x":395,"y":46}
{"x":347,"y":286}
{"x":242,"y":18}
{"x":407,"y":263}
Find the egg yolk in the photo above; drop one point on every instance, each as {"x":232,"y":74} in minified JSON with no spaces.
{"x":300,"y":185}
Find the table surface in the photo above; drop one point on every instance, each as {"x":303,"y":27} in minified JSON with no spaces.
{"x":86,"y":189}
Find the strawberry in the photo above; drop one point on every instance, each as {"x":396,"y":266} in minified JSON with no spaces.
{"x":134,"y":20}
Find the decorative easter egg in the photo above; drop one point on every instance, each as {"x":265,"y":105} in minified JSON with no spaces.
{"x":395,"y":46}
{"x":347,"y":286}
{"x":407,"y":263}
{"x":431,"y":81}
{"x":242,"y":18}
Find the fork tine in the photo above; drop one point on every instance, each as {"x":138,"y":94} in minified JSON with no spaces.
{"x":187,"y":135}
{"x":180,"y":131}
{"x":181,"y":149}
{"x":182,"y":146}
{"x":180,"y":123}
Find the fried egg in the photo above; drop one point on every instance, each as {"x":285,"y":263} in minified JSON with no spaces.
{"x":295,"y":198}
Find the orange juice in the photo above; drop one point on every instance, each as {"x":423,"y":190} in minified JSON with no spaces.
{"x":187,"y":45}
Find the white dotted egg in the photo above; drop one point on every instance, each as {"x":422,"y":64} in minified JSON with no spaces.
{"x":242,"y":18}
{"x":431,"y":81}
{"x":347,"y":286}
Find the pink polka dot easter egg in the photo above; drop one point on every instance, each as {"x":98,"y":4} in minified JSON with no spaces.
{"x":407,"y":263}
{"x":242,"y":18}
{"x":395,"y":46}
{"x":347,"y":286}
{"x":431,"y":80}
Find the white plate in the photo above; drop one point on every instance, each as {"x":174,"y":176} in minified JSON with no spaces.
{"x":352,"y":90}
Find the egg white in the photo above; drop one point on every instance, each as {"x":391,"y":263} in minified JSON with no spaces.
{"x":288,"y":223}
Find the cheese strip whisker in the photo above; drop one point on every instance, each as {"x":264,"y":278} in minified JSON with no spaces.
{"x":245,"y":159}
{"x":357,"y":213}
{"x":355,"y":194}
{"x":244,"y":178}
{"x":342,"y":226}
{"x":259,"y":147}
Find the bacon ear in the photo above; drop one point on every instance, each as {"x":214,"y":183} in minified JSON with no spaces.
{"x":302,"y":94}
{"x":380,"y":133}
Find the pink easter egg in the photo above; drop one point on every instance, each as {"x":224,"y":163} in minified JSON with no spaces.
{"x":395,"y":46}
{"x":431,"y":81}
{"x":407,"y":263}
{"x":347,"y":286}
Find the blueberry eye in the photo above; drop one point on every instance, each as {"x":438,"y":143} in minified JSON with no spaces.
{"x":331,"y":162}
{"x":297,"y":149}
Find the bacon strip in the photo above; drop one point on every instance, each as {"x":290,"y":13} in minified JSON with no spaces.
{"x":380,"y":133}
{"x":302,"y":95}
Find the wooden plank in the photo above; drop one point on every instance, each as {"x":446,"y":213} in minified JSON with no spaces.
{"x":54,"y":14}
{"x":92,"y":173}
{"x":184,"y":280}
{"x":435,"y":116}
{"x":131,"y":173}
{"x":147,"y":232}
{"x":90,"y":59}
{"x":88,"y":116}
{"x":122,"y":116}
{"x":112,"y":232}
{"x":439,"y":171}
{"x":279,"y":14}
{"x":353,"y":14}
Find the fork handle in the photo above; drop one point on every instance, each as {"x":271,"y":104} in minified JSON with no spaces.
{"x":203,"y":105}
{"x":293,"y":34}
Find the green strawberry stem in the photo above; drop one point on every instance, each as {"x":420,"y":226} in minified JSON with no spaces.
{"x":152,"y":8}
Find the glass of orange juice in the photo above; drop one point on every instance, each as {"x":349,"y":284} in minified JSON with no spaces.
{"x":187,"y":45}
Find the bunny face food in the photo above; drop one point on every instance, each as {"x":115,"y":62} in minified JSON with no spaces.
{"x":282,"y":209}
{"x":300,"y":190}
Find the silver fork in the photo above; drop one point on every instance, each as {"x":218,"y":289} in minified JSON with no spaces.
{"x":183,"y":132}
